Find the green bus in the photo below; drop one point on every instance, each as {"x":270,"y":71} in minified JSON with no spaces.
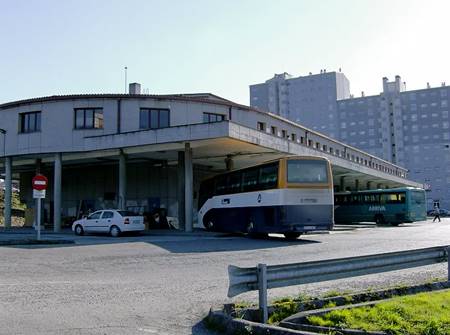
{"x":393,"y":206}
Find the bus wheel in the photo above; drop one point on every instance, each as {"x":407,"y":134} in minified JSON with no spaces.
{"x":209,"y":225}
{"x":379,"y":219}
{"x":292,"y":235}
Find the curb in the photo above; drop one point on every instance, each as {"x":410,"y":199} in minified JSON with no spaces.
{"x":227,"y":325}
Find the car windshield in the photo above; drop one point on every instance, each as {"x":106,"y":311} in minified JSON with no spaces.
{"x":126,"y":213}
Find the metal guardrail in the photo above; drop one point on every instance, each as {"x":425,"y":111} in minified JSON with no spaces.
{"x":263,"y":277}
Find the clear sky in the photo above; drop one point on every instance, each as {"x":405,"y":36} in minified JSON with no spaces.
{"x":63,"y":47}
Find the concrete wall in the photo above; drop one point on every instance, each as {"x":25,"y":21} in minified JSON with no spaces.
{"x":57,"y":122}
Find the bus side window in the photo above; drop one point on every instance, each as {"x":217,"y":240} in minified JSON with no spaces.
{"x":346,"y":199}
{"x":234,"y":183}
{"x":268,"y":177}
{"x":221,"y":185}
{"x":376,"y":199}
{"x":391,"y":198}
{"x":250,"y":180}
{"x":402,"y":198}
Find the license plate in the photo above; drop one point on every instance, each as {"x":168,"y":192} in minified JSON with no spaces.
{"x":309,"y":227}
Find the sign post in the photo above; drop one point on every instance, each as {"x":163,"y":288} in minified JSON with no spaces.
{"x":39,"y":183}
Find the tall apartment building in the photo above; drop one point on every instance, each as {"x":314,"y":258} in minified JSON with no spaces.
{"x":309,"y":100}
{"x":408,"y":128}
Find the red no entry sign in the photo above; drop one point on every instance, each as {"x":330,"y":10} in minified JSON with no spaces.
{"x":39,"y":182}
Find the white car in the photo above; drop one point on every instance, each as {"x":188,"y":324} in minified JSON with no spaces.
{"x":110,"y":221}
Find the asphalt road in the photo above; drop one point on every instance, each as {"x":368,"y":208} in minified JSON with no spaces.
{"x":166,"y":284}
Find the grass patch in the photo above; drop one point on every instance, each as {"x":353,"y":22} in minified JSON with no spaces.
{"x":331,"y":294}
{"x":420,"y":314}
{"x":242,"y":304}
{"x":283,"y":309}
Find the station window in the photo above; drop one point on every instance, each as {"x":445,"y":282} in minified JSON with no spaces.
{"x":211,"y":117}
{"x":30,"y":122}
{"x":88,"y":118}
{"x":154,"y":118}
{"x":261,"y":126}
{"x":273,"y":130}
{"x":283,"y":133}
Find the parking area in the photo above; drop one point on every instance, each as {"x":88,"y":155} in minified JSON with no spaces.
{"x":165,"y":283}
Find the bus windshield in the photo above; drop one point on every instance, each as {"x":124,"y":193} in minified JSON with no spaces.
{"x":417,"y":198}
{"x":303,"y":171}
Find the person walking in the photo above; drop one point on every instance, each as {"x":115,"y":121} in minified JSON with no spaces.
{"x":437,"y":214}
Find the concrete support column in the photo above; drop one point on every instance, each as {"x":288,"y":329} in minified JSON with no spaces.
{"x":57,"y":193}
{"x":181,"y":207}
{"x":356,"y":184}
{"x":342,"y":184}
{"x":8,"y":192}
{"x":188,"y":187}
{"x":122,"y":180}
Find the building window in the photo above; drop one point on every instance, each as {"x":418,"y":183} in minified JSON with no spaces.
{"x":294,"y":137}
{"x":273,"y":130}
{"x":211,"y":117}
{"x":283,"y":133}
{"x":261,"y":126}
{"x":88,"y":118}
{"x":154,"y":118}
{"x":30,"y":122}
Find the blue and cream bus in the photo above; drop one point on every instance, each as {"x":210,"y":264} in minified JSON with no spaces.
{"x":290,"y":196}
{"x":393,"y":206}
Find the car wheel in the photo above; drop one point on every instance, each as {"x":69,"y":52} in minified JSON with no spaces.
{"x":114,"y":231}
{"x":292,"y":235}
{"x":79,"y":230}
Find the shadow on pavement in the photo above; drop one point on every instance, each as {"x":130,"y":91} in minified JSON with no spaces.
{"x":174,"y":242}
